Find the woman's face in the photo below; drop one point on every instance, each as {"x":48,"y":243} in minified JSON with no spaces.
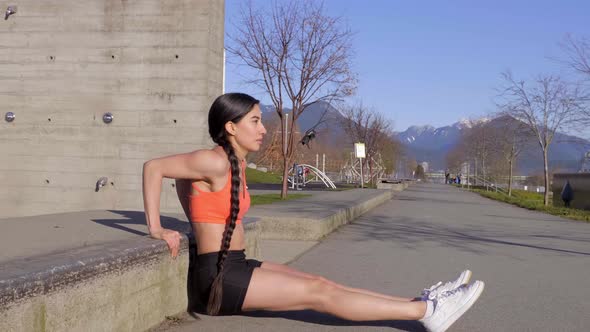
{"x":249,"y":131}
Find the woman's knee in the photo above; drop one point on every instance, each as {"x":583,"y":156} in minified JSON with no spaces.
{"x":327,"y":281}
{"x":320,"y":291}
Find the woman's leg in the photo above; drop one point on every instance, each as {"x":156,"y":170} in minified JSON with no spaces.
{"x":286,"y":269}
{"x":280,"y":291}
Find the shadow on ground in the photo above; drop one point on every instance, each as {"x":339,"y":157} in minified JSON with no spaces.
{"x":412,"y":232}
{"x":313,"y":317}
{"x":138,"y":218}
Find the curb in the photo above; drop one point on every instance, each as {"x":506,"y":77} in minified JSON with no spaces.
{"x":309,"y":229}
{"x":130,"y":285}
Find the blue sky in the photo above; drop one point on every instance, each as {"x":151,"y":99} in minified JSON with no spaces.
{"x":436,"y":62}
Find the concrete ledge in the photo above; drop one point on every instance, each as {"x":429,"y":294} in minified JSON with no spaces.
{"x":120,"y":287}
{"x":129,"y":285}
{"x":313,"y":229}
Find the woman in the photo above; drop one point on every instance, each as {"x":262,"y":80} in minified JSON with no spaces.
{"x":229,"y":283}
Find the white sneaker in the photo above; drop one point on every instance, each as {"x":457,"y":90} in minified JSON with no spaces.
{"x":449,"y":306}
{"x":435,"y":290}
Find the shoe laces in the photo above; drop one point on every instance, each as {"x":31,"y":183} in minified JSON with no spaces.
{"x":444,"y":296}
{"x":437,"y":288}
{"x":427,"y":291}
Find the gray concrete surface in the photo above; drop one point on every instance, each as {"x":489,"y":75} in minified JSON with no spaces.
{"x":98,"y":269}
{"x":156,"y":65}
{"x":312,"y":218}
{"x":536,"y":266}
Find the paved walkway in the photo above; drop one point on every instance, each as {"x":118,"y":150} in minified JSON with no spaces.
{"x":536,"y":266}
{"x":26,"y":237}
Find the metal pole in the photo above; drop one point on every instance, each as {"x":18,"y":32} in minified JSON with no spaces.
{"x":324,"y":163}
{"x":475,"y":182}
{"x":362,"y":179}
{"x":468,"y":170}
{"x":351,"y":167}
{"x":317,"y":164}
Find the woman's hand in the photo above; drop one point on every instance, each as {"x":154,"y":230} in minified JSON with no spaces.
{"x":171,"y":237}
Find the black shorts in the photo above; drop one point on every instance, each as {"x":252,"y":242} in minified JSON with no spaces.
{"x":236,"y":278}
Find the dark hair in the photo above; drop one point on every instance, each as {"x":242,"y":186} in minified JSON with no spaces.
{"x":227,"y":107}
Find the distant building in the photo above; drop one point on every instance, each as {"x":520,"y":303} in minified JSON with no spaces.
{"x":424,"y":166}
{"x":585,"y":168}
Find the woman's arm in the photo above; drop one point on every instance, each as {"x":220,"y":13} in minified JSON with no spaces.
{"x":198,"y":165}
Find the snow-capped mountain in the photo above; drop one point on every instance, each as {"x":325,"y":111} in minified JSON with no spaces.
{"x":426,"y":143}
{"x":430,"y":144}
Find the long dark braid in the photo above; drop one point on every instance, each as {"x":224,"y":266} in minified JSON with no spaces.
{"x":228,"y":107}
{"x":216,"y":294}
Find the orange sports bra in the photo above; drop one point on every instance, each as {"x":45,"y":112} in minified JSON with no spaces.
{"x":214,"y":206}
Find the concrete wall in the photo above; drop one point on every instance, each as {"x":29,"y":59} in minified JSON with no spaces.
{"x":122,"y":286}
{"x":155,"y":64}
{"x":122,"y":294}
{"x":580,"y":183}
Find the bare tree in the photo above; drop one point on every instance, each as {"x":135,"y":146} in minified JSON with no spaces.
{"x":578,"y":58}
{"x":419,"y":172}
{"x":367,"y":126}
{"x":410,"y":165}
{"x":456,"y":157}
{"x":391,"y":150}
{"x":548,"y":105}
{"x":478,"y":144}
{"x":300,"y":55}
{"x":490,"y":145}
{"x":513,"y":139}
{"x":578,"y":53}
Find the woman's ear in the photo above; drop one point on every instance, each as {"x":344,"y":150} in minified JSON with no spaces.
{"x":230,"y":128}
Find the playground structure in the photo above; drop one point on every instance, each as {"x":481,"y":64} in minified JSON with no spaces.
{"x":351,"y":171}
{"x":299,"y":176}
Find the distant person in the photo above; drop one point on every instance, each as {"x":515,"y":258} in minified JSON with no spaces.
{"x":447,"y":175}
{"x":227,"y":281}
{"x":459,"y":178}
{"x":567,"y":194}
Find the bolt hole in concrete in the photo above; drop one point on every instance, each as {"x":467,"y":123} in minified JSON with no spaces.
{"x":51,"y":57}
{"x":9,"y":116}
{"x":173,"y":185}
{"x":107,"y":118}
{"x":49,"y":119}
{"x":176,"y":56}
{"x":112,"y":56}
{"x":174,"y":120}
{"x":46,"y":181}
{"x":112,"y":183}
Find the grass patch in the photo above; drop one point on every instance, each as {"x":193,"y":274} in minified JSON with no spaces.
{"x":534,"y":201}
{"x":272,"y":198}
{"x":255,"y":176}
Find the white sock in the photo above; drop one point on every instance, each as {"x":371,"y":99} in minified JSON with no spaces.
{"x":429,"y":309}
